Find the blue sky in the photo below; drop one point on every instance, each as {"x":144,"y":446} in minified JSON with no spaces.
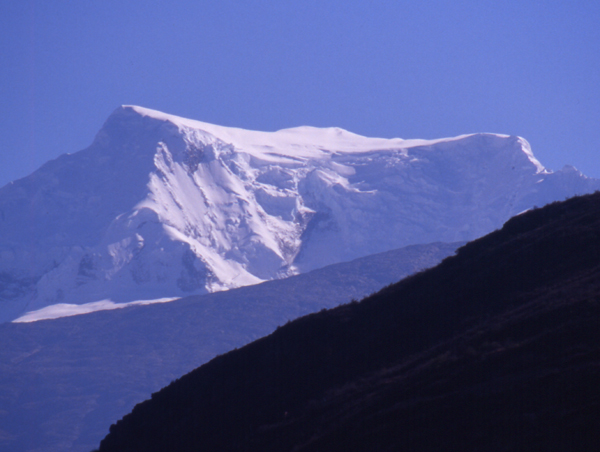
{"x":426,"y":69}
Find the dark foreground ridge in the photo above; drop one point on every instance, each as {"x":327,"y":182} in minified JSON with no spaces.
{"x":64,"y":381}
{"x":497,"y":348}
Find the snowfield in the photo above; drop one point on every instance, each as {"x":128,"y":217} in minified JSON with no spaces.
{"x":162,"y":207}
{"x":59,"y":310}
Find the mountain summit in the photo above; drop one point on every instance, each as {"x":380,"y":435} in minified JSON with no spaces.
{"x":162,"y":206}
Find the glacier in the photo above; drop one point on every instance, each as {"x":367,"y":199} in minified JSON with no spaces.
{"x":161,"y":206}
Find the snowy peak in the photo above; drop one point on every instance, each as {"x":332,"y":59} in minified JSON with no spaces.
{"x":161,"y":206}
{"x":297,"y":142}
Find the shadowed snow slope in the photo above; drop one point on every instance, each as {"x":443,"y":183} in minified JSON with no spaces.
{"x":161,"y":206}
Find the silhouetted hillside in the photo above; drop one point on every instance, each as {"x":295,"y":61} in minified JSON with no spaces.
{"x":64,"y":381}
{"x":497,"y":348}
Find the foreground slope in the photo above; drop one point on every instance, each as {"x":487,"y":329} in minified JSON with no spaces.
{"x":64,"y":382}
{"x":161,"y":206}
{"x":497,"y":348}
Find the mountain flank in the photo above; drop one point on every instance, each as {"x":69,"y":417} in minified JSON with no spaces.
{"x":160,"y":206}
{"x":63,"y":382}
{"x":497,"y":348}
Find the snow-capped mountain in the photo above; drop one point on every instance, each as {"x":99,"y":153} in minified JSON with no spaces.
{"x":162,"y":206}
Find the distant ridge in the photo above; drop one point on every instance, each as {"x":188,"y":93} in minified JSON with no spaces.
{"x":163,"y":207}
{"x":497,"y":348}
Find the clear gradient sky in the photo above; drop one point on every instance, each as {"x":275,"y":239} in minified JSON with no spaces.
{"x":409,"y":69}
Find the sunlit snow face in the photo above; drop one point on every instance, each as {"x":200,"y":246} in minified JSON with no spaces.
{"x":162,"y":207}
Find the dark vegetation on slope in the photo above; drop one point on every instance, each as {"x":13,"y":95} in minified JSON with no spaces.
{"x":64,"y":381}
{"x":497,"y":348}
